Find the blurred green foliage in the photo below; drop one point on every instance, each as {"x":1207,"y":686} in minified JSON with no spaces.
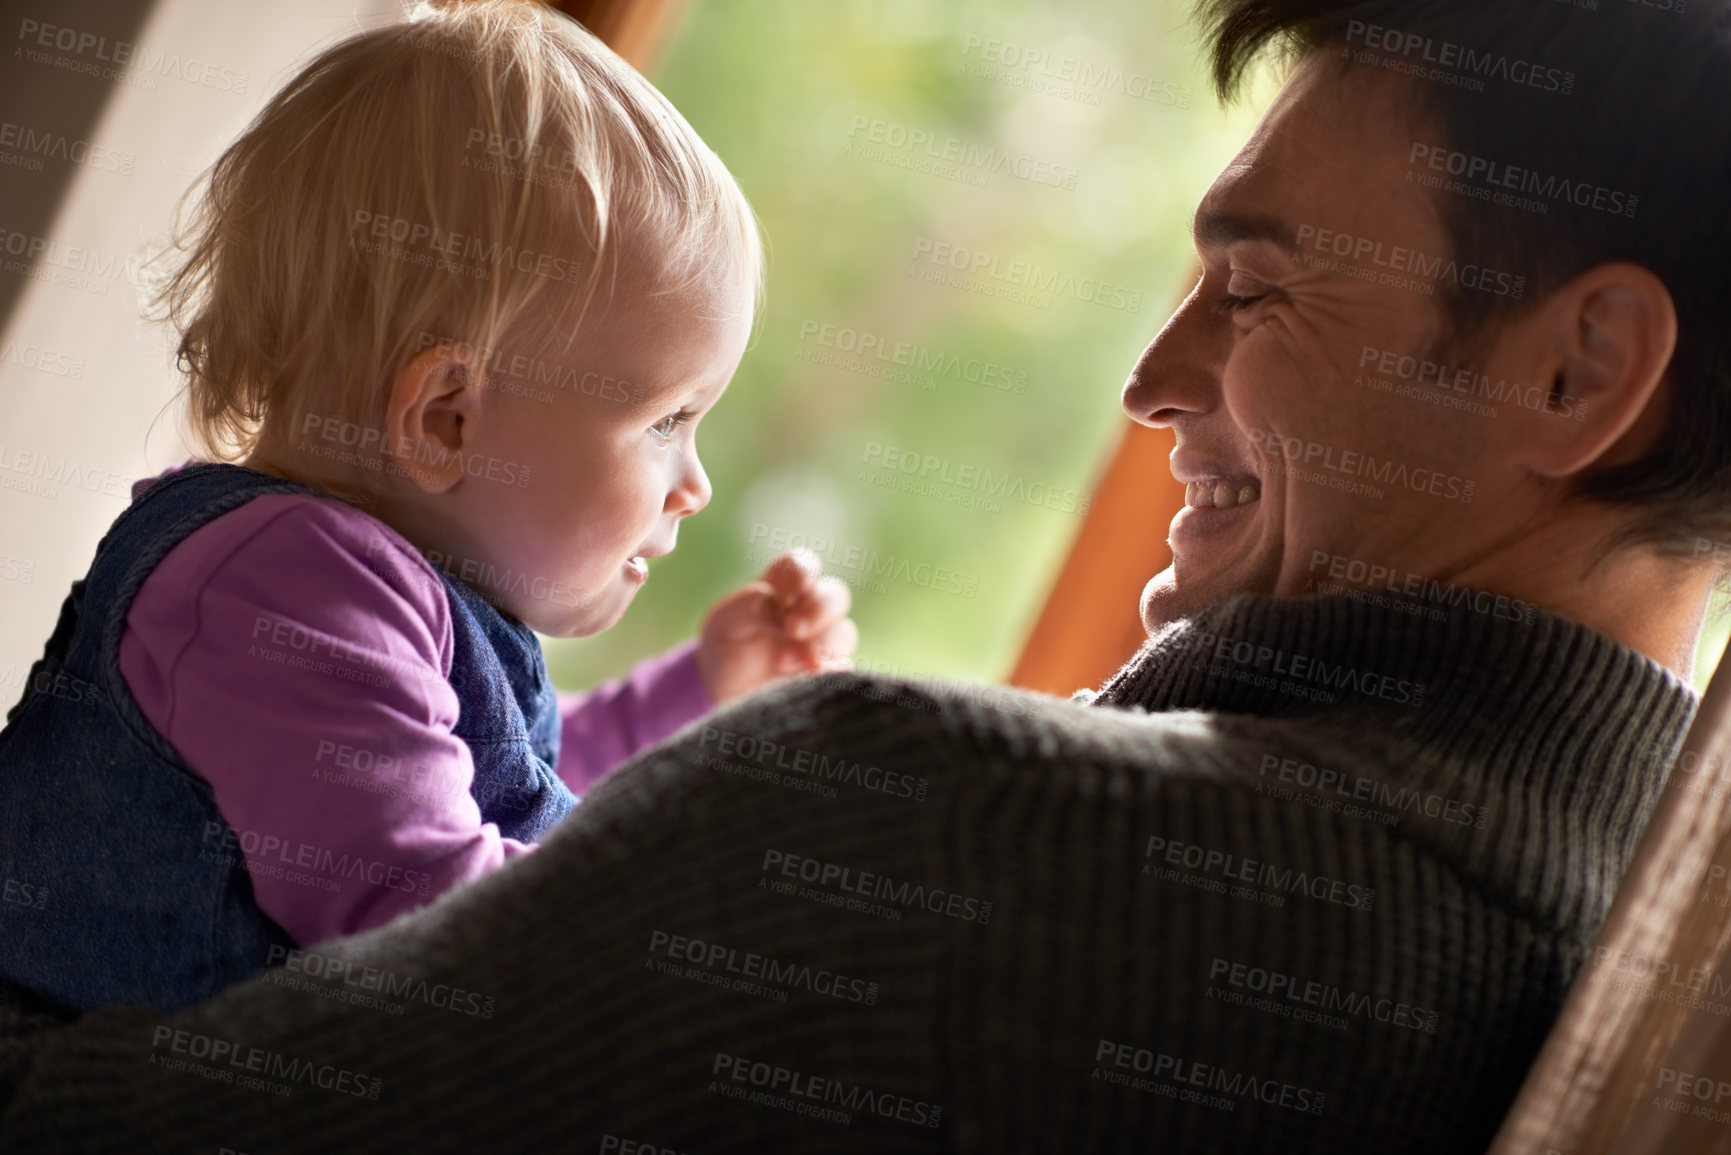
{"x":791,"y":94}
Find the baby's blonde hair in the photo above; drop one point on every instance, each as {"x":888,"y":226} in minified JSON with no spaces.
{"x":472,"y":175}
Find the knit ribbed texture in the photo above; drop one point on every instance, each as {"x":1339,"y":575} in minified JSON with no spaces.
{"x":1027,"y":1026}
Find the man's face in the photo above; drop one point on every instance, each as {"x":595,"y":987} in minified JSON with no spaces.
{"x":1282,"y":373}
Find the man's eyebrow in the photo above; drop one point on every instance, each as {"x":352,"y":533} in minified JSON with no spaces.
{"x":1218,"y":229}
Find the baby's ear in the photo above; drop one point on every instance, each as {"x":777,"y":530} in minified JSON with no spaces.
{"x":432,"y":416}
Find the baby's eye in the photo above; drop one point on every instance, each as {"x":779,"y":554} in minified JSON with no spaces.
{"x":665,"y":427}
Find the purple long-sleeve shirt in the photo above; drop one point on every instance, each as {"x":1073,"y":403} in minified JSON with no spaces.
{"x":349,"y":767}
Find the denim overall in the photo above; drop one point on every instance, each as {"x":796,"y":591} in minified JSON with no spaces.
{"x":111,"y":891}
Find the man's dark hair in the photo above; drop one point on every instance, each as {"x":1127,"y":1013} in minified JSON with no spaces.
{"x":1646,"y":113}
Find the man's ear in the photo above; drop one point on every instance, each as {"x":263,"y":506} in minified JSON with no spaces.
{"x":432,"y":417}
{"x":1611,"y":332}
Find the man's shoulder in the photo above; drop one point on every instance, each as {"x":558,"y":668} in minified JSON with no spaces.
{"x":1343,"y":784}
{"x":997,"y":731}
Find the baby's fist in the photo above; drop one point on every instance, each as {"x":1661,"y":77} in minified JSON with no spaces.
{"x":790,"y":620}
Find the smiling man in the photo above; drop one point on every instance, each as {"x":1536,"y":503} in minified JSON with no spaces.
{"x":1313,"y":873}
{"x":1359,"y":382}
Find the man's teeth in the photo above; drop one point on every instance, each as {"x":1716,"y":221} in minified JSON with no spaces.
{"x":1218,"y":494}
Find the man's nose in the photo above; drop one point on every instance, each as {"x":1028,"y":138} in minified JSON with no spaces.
{"x":1179,"y":372}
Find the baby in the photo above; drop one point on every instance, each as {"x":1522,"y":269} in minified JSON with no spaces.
{"x":451,"y":311}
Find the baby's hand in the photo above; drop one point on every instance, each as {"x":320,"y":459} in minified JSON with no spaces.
{"x":791,"y":620}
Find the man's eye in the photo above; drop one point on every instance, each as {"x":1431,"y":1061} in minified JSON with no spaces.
{"x":665,"y":427}
{"x":1249,"y":292}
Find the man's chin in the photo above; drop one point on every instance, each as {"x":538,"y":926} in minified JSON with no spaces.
{"x":1161,"y":601}
{"x":1165,"y":598}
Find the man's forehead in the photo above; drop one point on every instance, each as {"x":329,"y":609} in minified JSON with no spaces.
{"x":1253,"y":198}
{"x":1331,"y":136}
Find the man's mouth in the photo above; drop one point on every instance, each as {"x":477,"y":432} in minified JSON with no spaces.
{"x":1219,"y":493}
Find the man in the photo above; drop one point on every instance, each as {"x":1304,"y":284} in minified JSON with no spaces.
{"x":1313,"y":872}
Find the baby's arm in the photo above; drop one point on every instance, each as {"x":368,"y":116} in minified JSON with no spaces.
{"x":602,"y":727}
{"x":790,"y":620}
{"x":295,"y":652}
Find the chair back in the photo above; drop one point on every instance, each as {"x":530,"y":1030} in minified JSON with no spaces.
{"x":1640,"y":1058}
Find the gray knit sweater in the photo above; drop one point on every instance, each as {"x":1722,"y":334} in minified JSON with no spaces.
{"x":1309,"y":875}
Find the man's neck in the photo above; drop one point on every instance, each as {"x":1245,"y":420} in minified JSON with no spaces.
{"x":1654,"y":607}
{"x":1638,"y":597}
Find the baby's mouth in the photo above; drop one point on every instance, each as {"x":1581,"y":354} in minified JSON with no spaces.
{"x":1220,"y":494}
